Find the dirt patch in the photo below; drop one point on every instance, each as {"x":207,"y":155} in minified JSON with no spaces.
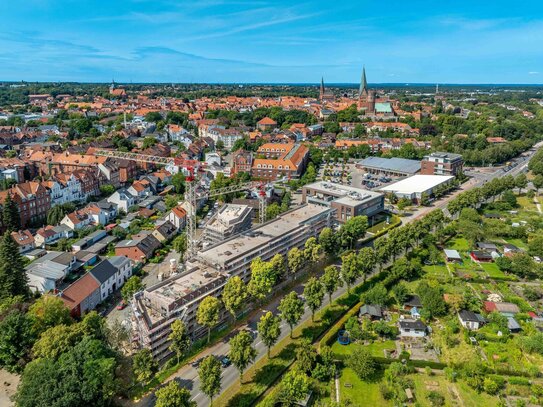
{"x":8,"y":386}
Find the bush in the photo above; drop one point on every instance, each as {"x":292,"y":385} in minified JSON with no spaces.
{"x":435,"y":398}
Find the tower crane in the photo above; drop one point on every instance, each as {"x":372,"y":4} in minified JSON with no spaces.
{"x":192,"y":195}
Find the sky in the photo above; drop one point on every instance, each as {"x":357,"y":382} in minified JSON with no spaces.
{"x":261,"y":41}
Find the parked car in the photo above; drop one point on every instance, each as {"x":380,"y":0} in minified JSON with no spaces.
{"x":122,"y":305}
{"x":225,"y":362}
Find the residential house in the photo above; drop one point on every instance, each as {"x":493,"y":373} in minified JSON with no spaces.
{"x":140,"y":189}
{"x":178,"y":217}
{"x":76,"y":220}
{"x":266,"y":124}
{"x":102,"y":212}
{"x":140,"y":248}
{"x":123,"y":199}
{"x":82,"y":296}
{"x":32,"y":200}
{"x":412,"y":328}
{"x":47,"y":272}
{"x":24,"y":240}
{"x":50,"y":234}
{"x":165,"y":231}
{"x":471,"y":320}
{"x":111,"y":274}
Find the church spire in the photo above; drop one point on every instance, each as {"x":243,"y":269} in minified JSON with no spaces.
{"x":322,"y":88}
{"x":363,"y":83}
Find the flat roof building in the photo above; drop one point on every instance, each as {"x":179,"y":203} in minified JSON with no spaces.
{"x":230,"y":220}
{"x":179,"y":296}
{"x":413,"y":187}
{"x":389,"y":166}
{"x":346,"y":200}
{"x":442,"y":164}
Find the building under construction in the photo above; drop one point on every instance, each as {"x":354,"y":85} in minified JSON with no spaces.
{"x":206,"y":273}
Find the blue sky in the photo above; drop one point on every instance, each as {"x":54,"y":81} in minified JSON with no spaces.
{"x":480,"y":41}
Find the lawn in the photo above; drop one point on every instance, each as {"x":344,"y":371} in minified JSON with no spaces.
{"x":436,"y":270}
{"x":459,"y":243}
{"x":527,"y":203}
{"x":424,"y":384}
{"x":493,"y":270}
{"x":518,"y":242}
{"x":470,"y":398}
{"x":376,"y":348}
{"x":361,"y":393}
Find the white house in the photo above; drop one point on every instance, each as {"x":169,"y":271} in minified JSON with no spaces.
{"x":50,"y":234}
{"x":76,"y":220}
{"x":123,"y":199}
{"x":178,"y":217}
{"x":471,"y":320}
{"x":102,"y":212}
{"x":111,"y":274}
{"x":412,"y":328}
{"x":46,"y":273}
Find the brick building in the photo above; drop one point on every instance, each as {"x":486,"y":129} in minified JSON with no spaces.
{"x":281,"y":160}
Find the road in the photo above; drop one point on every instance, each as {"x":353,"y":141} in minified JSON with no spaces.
{"x":187,"y":376}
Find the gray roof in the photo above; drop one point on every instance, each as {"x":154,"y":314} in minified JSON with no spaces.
{"x":471,"y":316}
{"x":416,"y":324}
{"x":512,"y":324}
{"x":372,"y":310}
{"x":392,"y":164}
{"x":452,"y":254}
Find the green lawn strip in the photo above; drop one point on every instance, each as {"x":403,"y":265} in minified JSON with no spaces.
{"x":518,"y":242}
{"x":459,"y":244}
{"x":359,"y":392}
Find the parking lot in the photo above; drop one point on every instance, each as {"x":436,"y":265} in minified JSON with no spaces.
{"x":348,"y":174}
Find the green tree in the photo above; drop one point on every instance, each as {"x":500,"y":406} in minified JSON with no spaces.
{"x":306,"y":356}
{"x":296,"y":260}
{"x":83,"y":376}
{"x":331,"y":281}
{"x":56,"y":341}
{"x":131,"y":287}
{"x":538,"y":182}
{"x":278,"y":265}
{"x":16,"y":340}
{"x":178,"y":182}
{"x":292,"y":309}
{"x":234,"y":295}
{"x":210,"y":377}
{"x":313,"y":294}
{"x":13,"y":278}
{"x":328,"y":241}
{"x":366,"y":261}
{"x":179,"y":339}
{"x":47,"y":312}
{"x":172,"y":395}
{"x":362,"y":363}
{"x":242,"y":353}
{"x":262,"y":279}
{"x":377,"y":295}
{"x":269,"y":329}
{"x":352,"y":230}
{"x":294,"y":387}
{"x":535,"y":246}
{"x":208,"y":314}
{"x":144,"y":366}
{"x":273,"y":211}
{"x":350,"y":270}
{"x":404,"y":203}
{"x":521,"y":182}
{"x":10,"y":214}
{"x":179,"y":244}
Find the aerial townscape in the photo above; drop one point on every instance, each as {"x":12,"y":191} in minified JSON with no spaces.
{"x":244,"y":242}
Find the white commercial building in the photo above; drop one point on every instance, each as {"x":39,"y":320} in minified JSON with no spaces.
{"x":413,"y":187}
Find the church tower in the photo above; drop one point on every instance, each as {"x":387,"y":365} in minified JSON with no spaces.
{"x":366,"y":97}
{"x":321,"y":93}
